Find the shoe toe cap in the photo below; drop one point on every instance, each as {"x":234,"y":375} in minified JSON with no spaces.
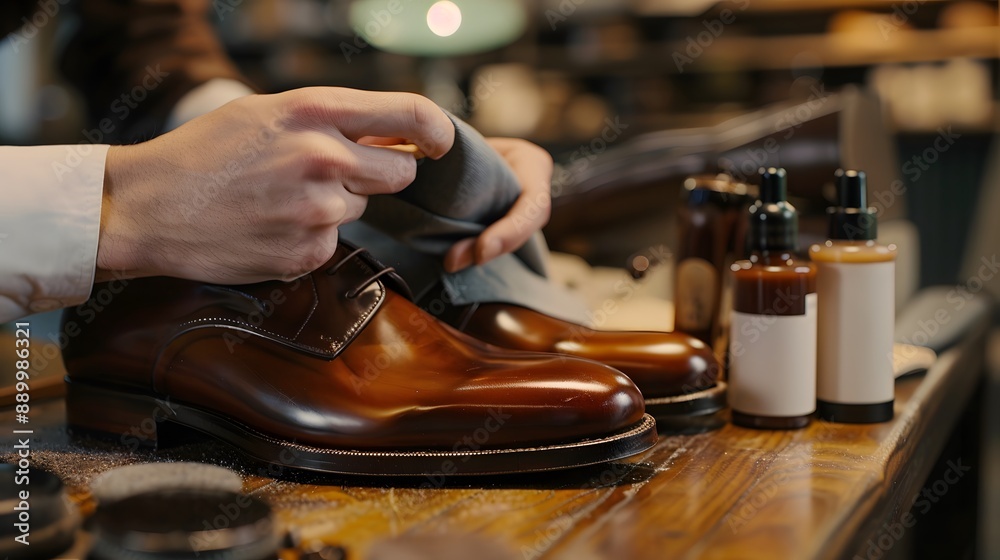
{"x":562,"y":397}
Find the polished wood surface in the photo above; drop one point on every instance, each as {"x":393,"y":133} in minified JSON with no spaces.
{"x":820,"y":492}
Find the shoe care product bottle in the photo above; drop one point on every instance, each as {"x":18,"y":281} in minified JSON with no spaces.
{"x":772,"y":351}
{"x":711,"y":231}
{"x":856,"y":280}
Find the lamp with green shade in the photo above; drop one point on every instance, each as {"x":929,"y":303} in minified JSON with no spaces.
{"x":438,"y":28}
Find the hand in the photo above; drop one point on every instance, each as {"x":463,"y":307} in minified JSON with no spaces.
{"x":256,"y":189}
{"x":533,"y":167}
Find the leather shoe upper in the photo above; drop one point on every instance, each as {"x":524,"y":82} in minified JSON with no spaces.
{"x":660,"y":363}
{"x":337,"y":358}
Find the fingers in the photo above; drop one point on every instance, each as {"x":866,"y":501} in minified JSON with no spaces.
{"x":379,"y":170}
{"x":461,"y":255}
{"x":363,"y":170}
{"x":354,"y":207}
{"x":321,"y":205}
{"x":357,"y":114}
{"x":533,"y":167}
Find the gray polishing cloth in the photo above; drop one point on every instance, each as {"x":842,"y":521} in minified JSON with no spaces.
{"x":454,"y":198}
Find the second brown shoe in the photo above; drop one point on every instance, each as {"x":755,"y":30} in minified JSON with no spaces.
{"x":336,"y":372}
{"x":677,"y":373}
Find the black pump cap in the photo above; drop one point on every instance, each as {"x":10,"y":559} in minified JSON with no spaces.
{"x":774,"y":223}
{"x":773,"y":185}
{"x":852,"y":219}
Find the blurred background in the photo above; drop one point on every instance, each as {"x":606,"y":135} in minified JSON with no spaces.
{"x":633,"y":96}
{"x":584,"y":78}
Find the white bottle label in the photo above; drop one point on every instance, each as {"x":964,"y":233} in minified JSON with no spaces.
{"x":857,"y":312}
{"x":772,"y":368}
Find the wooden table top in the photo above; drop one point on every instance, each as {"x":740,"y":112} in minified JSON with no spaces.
{"x":728,"y":493}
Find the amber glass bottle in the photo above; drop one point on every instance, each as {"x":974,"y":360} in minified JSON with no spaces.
{"x":711,"y":231}
{"x":772,"y":349}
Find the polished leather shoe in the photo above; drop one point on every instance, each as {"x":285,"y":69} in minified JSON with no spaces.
{"x":336,"y":372}
{"x":677,"y":374}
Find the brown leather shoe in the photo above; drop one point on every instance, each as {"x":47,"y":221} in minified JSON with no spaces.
{"x":677,"y":373}
{"x":336,"y":372}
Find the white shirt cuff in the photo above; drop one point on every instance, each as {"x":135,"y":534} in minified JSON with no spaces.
{"x":206,"y":98}
{"x":50,"y":222}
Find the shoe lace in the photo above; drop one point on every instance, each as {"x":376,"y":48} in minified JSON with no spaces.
{"x":353,"y":293}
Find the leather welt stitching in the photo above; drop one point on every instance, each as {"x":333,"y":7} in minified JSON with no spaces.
{"x":643,"y":425}
{"x":224,"y":322}
{"x":365,"y":315}
{"x":368,"y":312}
{"x":336,"y":345}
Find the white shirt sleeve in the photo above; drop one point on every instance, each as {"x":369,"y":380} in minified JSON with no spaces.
{"x":50,"y":221}
{"x":207,"y":97}
{"x":50,"y":212}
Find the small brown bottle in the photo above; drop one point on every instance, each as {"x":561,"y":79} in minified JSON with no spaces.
{"x":772,"y":349}
{"x":711,"y":230}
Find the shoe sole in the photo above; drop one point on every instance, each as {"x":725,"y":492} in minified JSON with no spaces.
{"x":137,"y":420}
{"x":699,"y":403}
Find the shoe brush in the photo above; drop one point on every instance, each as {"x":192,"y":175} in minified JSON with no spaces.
{"x":132,"y":480}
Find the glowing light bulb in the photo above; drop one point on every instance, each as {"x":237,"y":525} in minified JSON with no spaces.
{"x":444,"y":18}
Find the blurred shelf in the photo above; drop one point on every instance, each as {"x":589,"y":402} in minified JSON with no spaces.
{"x":693,"y":8}
{"x":826,"y":5}
{"x":781,"y":52}
{"x":778,"y":53}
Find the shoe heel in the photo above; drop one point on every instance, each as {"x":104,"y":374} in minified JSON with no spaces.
{"x":131,"y":420}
